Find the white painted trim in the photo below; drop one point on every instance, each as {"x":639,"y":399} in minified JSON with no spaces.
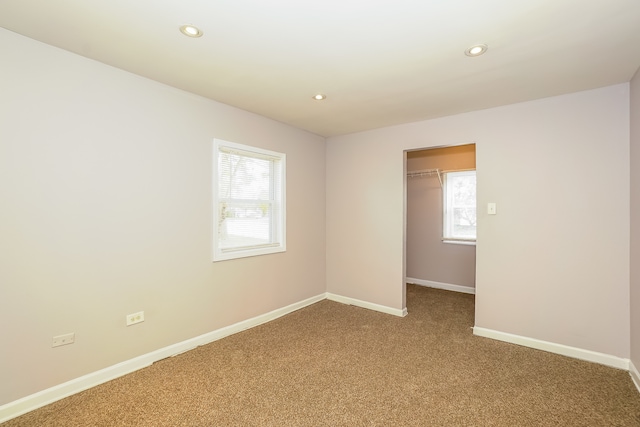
{"x":37,"y":400}
{"x":577,"y":353}
{"x":368,"y":305}
{"x":439,"y":285}
{"x":635,"y":375}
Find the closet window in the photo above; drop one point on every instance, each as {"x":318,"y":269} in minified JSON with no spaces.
{"x":459,"y":203}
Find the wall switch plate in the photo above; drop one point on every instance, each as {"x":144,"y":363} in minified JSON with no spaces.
{"x":491,"y":208}
{"x":134,"y":318}
{"x":63,"y":339}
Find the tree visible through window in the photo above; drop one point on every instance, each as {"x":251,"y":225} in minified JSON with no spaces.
{"x":249,"y":210}
{"x":459,"y":216}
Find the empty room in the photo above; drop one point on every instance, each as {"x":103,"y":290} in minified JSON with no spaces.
{"x":206,"y":213}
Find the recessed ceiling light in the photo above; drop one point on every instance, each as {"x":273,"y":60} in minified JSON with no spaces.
{"x":191,"y":31}
{"x":476,"y":50}
{"x":319,"y":97}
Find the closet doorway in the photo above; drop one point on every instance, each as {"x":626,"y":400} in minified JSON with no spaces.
{"x":440,"y":218}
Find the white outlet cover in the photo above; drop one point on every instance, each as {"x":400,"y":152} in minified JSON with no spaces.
{"x":134,"y":318}
{"x":65,"y":339}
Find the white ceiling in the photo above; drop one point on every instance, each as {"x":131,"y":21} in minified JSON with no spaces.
{"x":379,"y":62}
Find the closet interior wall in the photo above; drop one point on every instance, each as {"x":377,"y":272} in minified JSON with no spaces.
{"x":429,"y":260}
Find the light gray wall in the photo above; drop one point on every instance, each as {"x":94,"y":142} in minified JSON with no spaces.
{"x":553,"y":264}
{"x":428,"y":258}
{"x":106,"y":207}
{"x":635,"y":221}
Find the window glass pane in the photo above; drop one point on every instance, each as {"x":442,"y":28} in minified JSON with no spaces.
{"x":464,"y":223}
{"x":464,"y":190}
{"x":245,"y":224}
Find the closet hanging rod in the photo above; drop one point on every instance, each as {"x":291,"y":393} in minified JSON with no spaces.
{"x":429,"y":172}
{"x":426,"y":172}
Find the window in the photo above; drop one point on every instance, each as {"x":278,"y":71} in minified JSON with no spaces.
{"x":459,"y":203}
{"x":249,"y":201}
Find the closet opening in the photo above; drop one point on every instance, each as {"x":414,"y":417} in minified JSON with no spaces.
{"x":440,"y":218}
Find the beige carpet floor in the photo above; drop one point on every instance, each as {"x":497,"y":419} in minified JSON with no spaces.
{"x":336,"y":365}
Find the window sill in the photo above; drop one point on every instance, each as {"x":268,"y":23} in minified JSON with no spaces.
{"x":244,"y":253}
{"x":460,"y":242}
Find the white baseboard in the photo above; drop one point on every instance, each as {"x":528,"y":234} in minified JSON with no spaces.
{"x":635,"y":375}
{"x":368,"y":305}
{"x":439,"y":285}
{"x":577,"y":353}
{"x":29,"y":403}
{"x":37,"y":400}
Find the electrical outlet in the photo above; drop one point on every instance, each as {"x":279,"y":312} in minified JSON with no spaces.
{"x":63,"y":339}
{"x":134,"y":318}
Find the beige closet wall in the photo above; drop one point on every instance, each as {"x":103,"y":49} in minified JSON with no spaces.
{"x":428,"y":258}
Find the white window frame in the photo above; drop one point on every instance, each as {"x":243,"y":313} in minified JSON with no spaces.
{"x":277,"y":225}
{"x":447,"y":211}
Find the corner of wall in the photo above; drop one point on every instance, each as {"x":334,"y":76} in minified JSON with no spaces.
{"x":634,"y":277}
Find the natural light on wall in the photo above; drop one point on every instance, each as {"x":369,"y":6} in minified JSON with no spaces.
{"x":459,"y":207}
{"x":249,"y":201}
